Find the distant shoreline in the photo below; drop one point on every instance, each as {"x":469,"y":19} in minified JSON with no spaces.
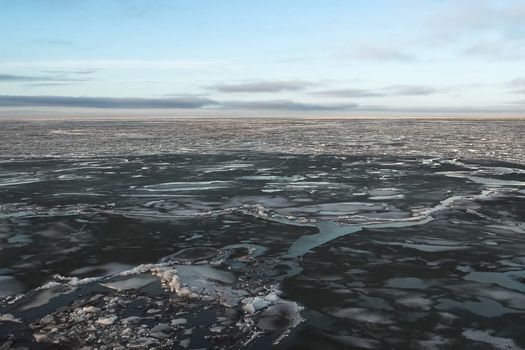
{"x":258,"y":118}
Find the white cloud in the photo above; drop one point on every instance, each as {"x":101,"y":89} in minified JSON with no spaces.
{"x":503,"y":17}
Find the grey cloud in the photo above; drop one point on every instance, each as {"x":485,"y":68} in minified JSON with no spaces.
{"x":394,"y":90}
{"x":349,"y":93}
{"x":80,"y":71}
{"x":199,"y":105}
{"x":518,"y":82}
{"x":50,"y":84}
{"x":103,"y":102}
{"x":410,"y":90}
{"x":446,"y":110}
{"x":262,"y":86}
{"x":12,"y":78}
{"x":517,"y":86}
{"x":163,"y":103}
{"x":188,"y":96}
{"x":287,"y":105}
{"x":18,"y":78}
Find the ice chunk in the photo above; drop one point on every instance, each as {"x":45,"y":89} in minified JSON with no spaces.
{"x":328,"y":231}
{"x":107,"y":321}
{"x":283,"y":315}
{"x":44,"y":296}
{"x":9,"y":318}
{"x":217,"y":329}
{"x":185,"y":342}
{"x":134,"y":282}
{"x":509,"y":279}
{"x":89,"y":310}
{"x":200,"y":282}
{"x":254,"y":250}
{"x":484,"y":337}
{"x":192,"y":254}
{"x":252,"y":305}
{"x":178,"y":321}
{"x":363,"y":315}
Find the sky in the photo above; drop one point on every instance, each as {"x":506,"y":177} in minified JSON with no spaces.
{"x":262,"y":58}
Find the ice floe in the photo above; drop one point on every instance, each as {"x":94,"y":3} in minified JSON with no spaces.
{"x":484,"y":337}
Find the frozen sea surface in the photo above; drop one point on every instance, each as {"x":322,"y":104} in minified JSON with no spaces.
{"x":258,"y":233}
{"x":465,"y":139}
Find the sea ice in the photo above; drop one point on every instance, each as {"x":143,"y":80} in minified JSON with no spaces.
{"x":9,"y":318}
{"x":252,"y":305}
{"x":200,"y":282}
{"x":133,"y":282}
{"x":485,"y":337}
{"x":363,"y":315}
{"x":107,"y":321}
{"x":43,"y":296}
{"x":509,"y":280}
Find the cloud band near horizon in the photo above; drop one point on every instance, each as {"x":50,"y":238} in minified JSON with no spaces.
{"x":66,"y":103}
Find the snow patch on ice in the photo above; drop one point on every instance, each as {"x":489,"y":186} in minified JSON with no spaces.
{"x":200,"y":282}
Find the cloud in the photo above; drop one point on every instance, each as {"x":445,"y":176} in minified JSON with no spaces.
{"x":482,"y":29}
{"x":262,"y":86}
{"x":449,"y":110}
{"x":51,"y":84}
{"x":503,"y":17}
{"x":178,"y":102}
{"x":518,"y":82}
{"x":381,"y":53}
{"x":103,"y":102}
{"x":486,"y":30}
{"x":286,"y":105}
{"x":12,"y":78}
{"x":64,"y":105}
{"x":410,"y":90}
{"x":503,"y":50}
{"x":517,"y":86}
{"x":349,"y":93}
{"x":393,"y":90}
{"x":80,"y":71}
{"x":17,"y":78}
{"x":112,"y":64}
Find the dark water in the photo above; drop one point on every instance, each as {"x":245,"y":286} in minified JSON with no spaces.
{"x":199,"y":240}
